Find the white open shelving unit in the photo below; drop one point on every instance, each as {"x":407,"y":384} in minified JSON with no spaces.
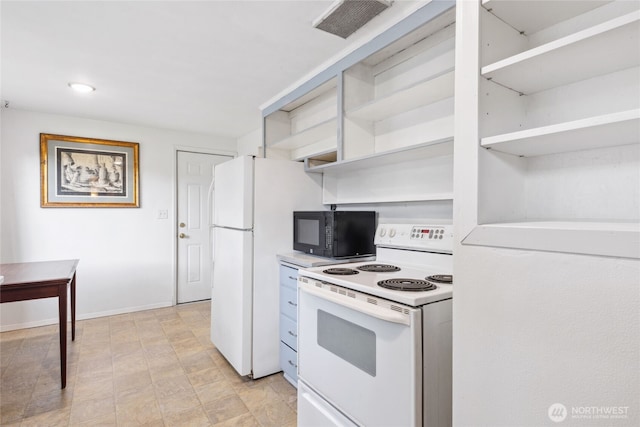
{"x":307,"y":125}
{"x":560,"y":119}
{"x":425,"y":92}
{"x":386,"y":111}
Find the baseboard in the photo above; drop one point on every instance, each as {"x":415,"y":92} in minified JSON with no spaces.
{"x":84,"y":316}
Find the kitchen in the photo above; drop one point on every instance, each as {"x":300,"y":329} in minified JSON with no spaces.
{"x":532,"y":326}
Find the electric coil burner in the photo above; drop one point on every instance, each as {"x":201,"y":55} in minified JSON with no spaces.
{"x":378,"y":268}
{"x":413,"y":285}
{"x":340,"y":271}
{"x":441,"y":278}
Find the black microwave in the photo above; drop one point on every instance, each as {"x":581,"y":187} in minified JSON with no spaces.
{"x":335,"y":234}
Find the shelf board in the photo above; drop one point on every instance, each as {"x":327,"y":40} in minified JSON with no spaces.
{"x":616,"y":239}
{"x":441,"y":147}
{"x":316,"y":133}
{"x":391,"y":199}
{"x":426,"y":92}
{"x":533,"y":16}
{"x":601,"y":49}
{"x":614,"y":129}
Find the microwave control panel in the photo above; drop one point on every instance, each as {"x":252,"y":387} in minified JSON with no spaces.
{"x":436,"y":237}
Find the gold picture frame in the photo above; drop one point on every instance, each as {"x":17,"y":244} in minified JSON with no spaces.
{"x":88,"y":172}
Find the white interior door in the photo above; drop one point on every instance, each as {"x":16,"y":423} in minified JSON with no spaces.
{"x":195,"y":175}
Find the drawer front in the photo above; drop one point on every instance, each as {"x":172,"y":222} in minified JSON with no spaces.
{"x":289,"y":332}
{"x":288,"y":276}
{"x":289,"y":302}
{"x":289,"y":361}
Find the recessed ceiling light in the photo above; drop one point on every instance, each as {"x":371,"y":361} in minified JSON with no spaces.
{"x":81,"y":87}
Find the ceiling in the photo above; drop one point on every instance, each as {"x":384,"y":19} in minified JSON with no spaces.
{"x":197,"y":66}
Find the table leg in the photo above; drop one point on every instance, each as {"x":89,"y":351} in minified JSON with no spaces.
{"x":73,"y":307}
{"x":62,"y":311}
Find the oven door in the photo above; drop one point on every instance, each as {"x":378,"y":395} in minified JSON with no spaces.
{"x":360,"y":353}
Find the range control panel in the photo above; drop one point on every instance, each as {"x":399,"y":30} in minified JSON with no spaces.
{"x":436,"y":237}
{"x":427,"y":232}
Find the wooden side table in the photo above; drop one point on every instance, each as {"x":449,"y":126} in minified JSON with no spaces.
{"x":48,"y":279}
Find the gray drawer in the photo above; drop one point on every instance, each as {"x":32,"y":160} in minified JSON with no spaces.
{"x":289,"y":332}
{"x":289,"y":302}
{"x":288,"y":276}
{"x":289,"y":362}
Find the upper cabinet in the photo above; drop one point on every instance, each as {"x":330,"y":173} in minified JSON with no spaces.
{"x":559,"y":126}
{"x":379,"y":123}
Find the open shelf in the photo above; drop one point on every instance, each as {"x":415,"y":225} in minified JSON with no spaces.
{"x":616,"y":239}
{"x":572,"y":58}
{"x":425,"y":150}
{"x":428,"y":91}
{"x":410,"y":174}
{"x":319,"y":132}
{"x":321,"y":159}
{"x":529,"y":17}
{"x":401,"y":198}
{"x":613,"y":129}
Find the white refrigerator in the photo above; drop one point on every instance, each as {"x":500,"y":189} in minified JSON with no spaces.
{"x":254,"y":200}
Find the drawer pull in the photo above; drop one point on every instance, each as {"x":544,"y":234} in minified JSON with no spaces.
{"x":292,"y":364}
{"x":293,"y":334}
{"x":293,"y":278}
{"x":292,"y":303}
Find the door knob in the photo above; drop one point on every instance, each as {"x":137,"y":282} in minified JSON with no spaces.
{"x":182,"y":235}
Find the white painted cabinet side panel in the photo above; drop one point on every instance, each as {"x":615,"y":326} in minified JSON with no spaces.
{"x":281,"y":187}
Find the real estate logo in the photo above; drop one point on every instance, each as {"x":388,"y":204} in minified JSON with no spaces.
{"x":557,"y":412}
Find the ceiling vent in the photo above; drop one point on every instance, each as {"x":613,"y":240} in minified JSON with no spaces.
{"x":345,"y":17}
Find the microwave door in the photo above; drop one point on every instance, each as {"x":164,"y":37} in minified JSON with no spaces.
{"x":310,"y":234}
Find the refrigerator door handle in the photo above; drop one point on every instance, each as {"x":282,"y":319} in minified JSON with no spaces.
{"x":210,"y":210}
{"x":233,"y":228}
{"x":212,"y":245}
{"x":210,"y":207}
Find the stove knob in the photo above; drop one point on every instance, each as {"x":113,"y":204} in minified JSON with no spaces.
{"x":392,"y":233}
{"x":383,"y":232}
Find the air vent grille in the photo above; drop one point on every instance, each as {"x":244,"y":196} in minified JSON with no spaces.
{"x":345,"y":17}
{"x":399,"y":309}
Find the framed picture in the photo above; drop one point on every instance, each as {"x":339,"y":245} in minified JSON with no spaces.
{"x":86,"y":172}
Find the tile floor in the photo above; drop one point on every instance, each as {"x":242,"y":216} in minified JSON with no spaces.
{"x":152,"y":368}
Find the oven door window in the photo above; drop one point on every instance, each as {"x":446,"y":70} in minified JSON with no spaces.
{"x":350,"y":342}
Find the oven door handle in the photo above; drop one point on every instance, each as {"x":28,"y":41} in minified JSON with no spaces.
{"x":381,"y":313}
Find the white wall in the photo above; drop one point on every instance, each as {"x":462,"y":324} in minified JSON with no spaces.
{"x":250,"y":144}
{"x":532,"y":329}
{"x":127,"y":255}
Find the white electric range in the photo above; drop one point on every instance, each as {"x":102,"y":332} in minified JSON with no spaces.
{"x":374,"y":338}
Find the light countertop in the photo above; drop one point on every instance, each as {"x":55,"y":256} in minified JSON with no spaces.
{"x":301,"y":259}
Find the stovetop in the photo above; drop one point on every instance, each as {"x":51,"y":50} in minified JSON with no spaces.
{"x":367,"y":282}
